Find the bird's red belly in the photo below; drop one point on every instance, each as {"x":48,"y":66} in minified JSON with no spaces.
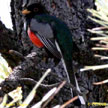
{"x":35,"y":40}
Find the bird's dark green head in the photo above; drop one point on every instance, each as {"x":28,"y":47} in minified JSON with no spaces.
{"x":34,"y":9}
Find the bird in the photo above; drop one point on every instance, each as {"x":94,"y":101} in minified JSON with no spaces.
{"x":48,"y":31}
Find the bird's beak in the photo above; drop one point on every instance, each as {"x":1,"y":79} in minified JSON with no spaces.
{"x":25,"y":12}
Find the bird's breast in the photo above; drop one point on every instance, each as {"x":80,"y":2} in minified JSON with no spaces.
{"x":35,"y":40}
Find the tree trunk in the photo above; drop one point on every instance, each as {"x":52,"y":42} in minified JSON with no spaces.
{"x":74,"y":14}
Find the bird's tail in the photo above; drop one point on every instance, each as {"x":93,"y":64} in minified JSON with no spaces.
{"x":67,"y":63}
{"x":72,"y":79}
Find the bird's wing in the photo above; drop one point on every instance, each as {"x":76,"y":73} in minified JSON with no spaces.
{"x":44,"y":32}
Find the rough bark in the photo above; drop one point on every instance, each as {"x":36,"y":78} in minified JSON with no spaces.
{"x":74,"y":14}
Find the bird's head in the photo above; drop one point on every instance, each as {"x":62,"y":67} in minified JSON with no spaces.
{"x":34,"y":9}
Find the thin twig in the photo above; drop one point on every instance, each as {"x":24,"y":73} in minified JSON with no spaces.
{"x":68,"y":102}
{"x":99,"y":48}
{"x":43,"y":77}
{"x":102,"y":46}
{"x":69,"y":84}
{"x":33,"y":92}
{"x":101,"y":57}
{"x":99,"y":38}
{"x":101,"y":82}
{"x":58,"y":89}
{"x":99,"y":28}
{"x":16,"y":53}
{"x":86,"y":68}
{"x":103,"y":41}
{"x":33,"y":82}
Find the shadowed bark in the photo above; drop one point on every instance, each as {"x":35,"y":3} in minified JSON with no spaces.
{"x":74,"y":14}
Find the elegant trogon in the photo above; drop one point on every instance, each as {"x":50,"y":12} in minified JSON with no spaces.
{"x":48,"y":31}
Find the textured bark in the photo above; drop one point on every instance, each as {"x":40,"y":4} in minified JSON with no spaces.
{"x":74,"y":14}
{"x":7,"y":39}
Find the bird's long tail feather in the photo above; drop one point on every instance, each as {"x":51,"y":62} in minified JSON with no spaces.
{"x":71,"y":77}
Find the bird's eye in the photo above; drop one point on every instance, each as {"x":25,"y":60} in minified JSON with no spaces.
{"x":35,"y":9}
